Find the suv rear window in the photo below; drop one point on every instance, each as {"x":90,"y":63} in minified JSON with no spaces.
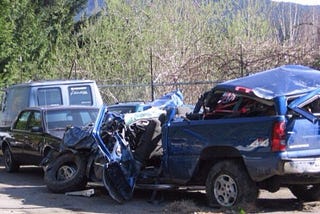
{"x":80,"y":95}
{"x":76,"y":117}
{"x":49,"y":96}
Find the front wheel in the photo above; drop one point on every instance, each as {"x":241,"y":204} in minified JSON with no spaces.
{"x":306,"y":192}
{"x":66,"y":173}
{"x":228,"y":185}
{"x":9,"y":162}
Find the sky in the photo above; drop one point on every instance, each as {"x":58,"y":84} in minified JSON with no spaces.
{"x":303,"y":2}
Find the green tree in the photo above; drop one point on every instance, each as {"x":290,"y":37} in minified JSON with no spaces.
{"x":6,"y":39}
{"x":113,"y":47}
{"x":35,"y":32}
{"x":58,"y":21}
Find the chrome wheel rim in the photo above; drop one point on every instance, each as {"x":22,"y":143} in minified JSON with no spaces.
{"x":66,"y":172}
{"x":225,"y":190}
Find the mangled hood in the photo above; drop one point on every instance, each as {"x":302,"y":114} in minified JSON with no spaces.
{"x":78,"y":138}
{"x":282,"y":81}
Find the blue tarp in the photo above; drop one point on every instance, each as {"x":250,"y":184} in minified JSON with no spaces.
{"x":282,"y":81}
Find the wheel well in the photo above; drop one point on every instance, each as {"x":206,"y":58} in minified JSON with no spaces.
{"x":212,"y":155}
{"x":46,"y":151}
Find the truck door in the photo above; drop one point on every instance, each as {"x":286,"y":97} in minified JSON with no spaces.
{"x":34,"y":138}
{"x":19,"y":130}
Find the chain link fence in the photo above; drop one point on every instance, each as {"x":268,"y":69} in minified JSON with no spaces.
{"x":148,"y":92}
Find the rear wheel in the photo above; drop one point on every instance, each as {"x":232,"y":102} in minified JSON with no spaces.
{"x":66,"y":173}
{"x":9,"y":162}
{"x":229,"y":186}
{"x":306,"y":192}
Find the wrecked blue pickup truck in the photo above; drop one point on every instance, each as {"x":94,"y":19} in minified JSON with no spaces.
{"x":256,"y":132}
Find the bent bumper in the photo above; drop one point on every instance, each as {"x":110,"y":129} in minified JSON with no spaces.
{"x":302,"y":166}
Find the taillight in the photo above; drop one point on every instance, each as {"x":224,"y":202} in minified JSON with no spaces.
{"x":278,"y":141}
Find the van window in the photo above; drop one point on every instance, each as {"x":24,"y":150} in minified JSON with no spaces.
{"x":80,"y":95}
{"x":49,"y":96}
{"x":16,"y":101}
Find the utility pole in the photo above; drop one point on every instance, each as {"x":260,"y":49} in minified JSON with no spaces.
{"x":241,"y":61}
{"x":21,"y":69}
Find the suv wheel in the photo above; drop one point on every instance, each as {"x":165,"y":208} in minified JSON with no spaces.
{"x":229,"y":186}
{"x":66,"y":173}
{"x":10,"y":164}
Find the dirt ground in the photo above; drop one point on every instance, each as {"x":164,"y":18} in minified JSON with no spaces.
{"x":25,"y":193}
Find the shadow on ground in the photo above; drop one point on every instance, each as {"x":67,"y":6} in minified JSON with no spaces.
{"x":28,"y":188}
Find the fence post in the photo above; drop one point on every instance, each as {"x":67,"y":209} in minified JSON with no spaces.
{"x":151,"y":78}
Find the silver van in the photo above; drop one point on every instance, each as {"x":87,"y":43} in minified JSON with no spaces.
{"x":47,"y":93}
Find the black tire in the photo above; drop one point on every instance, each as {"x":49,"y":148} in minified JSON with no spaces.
{"x":229,"y":186}
{"x":306,"y":192}
{"x":11,"y":165}
{"x":66,"y":173}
